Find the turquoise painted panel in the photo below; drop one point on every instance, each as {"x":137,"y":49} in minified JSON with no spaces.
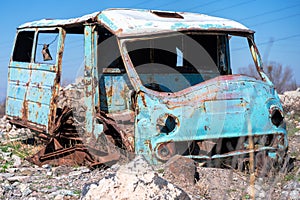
{"x":172,"y":82}
{"x":215,"y":109}
{"x":41,"y":95}
{"x":42,"y":78}
{"x":38,"y":113}
{"x":14,"y":107}
{"x":21,"y":75}
{"x":31,"y":86}
{"x":115,"y":93}
{"x":89,"y":98}
{"x":30,"y":92}
{"x":16,"y":90}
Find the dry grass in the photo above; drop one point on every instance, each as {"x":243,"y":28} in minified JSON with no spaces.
{"x":203,"y":189}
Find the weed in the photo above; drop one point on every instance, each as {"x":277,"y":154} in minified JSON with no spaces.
{"x":232,"y":190}
{"x":16,"y":148}
{"x":203,"y":189}
{"x":4,"y":149}
{"x":247,"y":196}
{"x":291,"y":129}
{"x":294,"y":154}
{"x":289,"y":177}
{"x":77,"y":192}
{"x":49,"y":187}
{"x":33,"y":187}
{"x":291,"y":132}
{"x":290,"y":123}
{"x":5,"y":166}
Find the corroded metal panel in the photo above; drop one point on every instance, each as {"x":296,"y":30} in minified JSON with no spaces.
{"x":114,"y":93}
{"x":59,"y":22}
{"x":133,"y":22}
{"x":90,"y":76}
{"x":157,"y":113}
{"x":32,"y":88}
{"x":130,"y":22}
{"x":219,"y":108}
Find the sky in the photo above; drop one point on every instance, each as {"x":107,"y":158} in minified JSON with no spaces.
{"x":276,"y":22}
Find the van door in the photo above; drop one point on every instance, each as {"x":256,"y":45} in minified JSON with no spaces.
{"x":34,"y":76}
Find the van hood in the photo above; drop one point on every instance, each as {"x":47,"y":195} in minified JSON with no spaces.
{"x":226,"y":106}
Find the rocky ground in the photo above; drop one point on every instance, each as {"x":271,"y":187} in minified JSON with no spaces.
{"x":179,"y":178}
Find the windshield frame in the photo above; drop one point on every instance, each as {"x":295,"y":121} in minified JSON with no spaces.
{"x":135,"y":78}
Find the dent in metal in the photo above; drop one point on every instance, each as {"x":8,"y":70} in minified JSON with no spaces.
{"x":199,"y":121}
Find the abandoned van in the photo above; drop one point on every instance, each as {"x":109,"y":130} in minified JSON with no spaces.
{"x":155,"y":83}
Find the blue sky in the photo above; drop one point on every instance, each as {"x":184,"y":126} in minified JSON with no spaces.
{"x":276,"y":22}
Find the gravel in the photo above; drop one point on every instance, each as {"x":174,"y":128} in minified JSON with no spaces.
{"x":20,"y":179}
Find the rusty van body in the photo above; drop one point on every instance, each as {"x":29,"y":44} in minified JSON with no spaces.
{"x":155,"y":83}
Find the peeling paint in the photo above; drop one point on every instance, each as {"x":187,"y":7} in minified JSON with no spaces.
{"x":204,"y":116}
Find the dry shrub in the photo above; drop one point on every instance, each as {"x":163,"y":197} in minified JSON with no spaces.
{"x":203,"y":189}
{"x":2,"y":108}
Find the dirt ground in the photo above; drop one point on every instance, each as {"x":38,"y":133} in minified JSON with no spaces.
{"x":226,"y":183}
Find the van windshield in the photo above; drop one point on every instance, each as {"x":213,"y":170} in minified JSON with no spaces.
{"x":171,"y":63}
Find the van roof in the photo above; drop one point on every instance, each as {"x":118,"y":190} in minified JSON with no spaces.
{"x":132,"y":22}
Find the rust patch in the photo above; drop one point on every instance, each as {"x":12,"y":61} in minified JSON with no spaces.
{"x":148,"y":143}
{"x":109,"y":93}
{"x":111,"y":128}
{"x":30,"y":125}
{"x":119,"y":31}
{"x":25,"y":110}
{"x":78,"y":154}
{"x":36,"y":115}
{"x":166,"y":150}
{"x":143,"y":99}
{"x":66,"y":146}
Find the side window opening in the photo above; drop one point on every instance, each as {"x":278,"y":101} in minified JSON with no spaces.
{"x":115,"y":87}
{"x":109,"y":57}
{"x":23,"y":47}
{"x":241,"y":58}
{"x":73,"y":58}
{"x":46,"y":49}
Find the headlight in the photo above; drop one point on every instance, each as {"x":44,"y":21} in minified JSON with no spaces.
{"x":276,"y":115}
{"x":167,"y":123}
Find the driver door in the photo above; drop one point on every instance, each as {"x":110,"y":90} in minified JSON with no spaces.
{"x":33,"y":79}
